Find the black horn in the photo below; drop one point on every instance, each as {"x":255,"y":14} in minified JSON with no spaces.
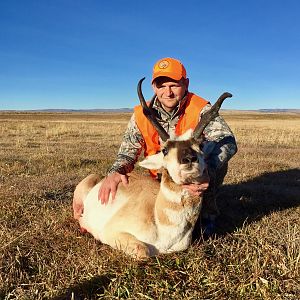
{"x":209,"y":115}
{"x":149,"y":113}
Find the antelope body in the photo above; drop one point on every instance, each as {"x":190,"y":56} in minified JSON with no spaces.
{"x":147,"y":217}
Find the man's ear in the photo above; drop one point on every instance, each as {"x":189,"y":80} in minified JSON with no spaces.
{"x":187,"y":81}
{"x":154,"y":87}
{"x":153,"y":162}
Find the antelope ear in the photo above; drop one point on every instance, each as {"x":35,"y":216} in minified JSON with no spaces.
{"x":153,"y":162}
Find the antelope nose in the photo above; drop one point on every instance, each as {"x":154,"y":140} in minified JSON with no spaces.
{"x":189,"y":159}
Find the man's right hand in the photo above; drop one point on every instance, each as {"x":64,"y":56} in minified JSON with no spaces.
{"x":110,"y":185}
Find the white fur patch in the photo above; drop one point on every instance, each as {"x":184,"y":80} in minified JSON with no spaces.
{"x":178,"y":218}
{"x":172,"y":196}
{"x":184,"y":137}
{"x":153,"y":162}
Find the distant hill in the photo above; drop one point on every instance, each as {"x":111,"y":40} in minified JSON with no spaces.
{"x":297,"y":111}
{"x":120,"y":110}
{"x":61,"y":110}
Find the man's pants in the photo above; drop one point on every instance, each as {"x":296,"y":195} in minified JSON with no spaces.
{"x":209,"y":206}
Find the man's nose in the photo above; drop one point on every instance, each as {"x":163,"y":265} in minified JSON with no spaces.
{"x":168,"y":91}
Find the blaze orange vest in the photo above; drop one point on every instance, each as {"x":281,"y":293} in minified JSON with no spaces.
{"x":188,"y":120}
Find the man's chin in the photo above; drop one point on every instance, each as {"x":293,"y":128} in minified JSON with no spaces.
{"x":169,"y":103}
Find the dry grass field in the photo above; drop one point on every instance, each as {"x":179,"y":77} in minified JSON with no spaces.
{"x":254,"y":255}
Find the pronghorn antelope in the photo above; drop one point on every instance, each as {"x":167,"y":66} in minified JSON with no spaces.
{"x":147,"y":217}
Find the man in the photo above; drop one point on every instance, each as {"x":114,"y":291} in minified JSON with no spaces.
{"x":172,"y":104}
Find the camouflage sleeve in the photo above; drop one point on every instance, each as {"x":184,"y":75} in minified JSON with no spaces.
{"x":220,"y":144}
{"x":130,"y":149}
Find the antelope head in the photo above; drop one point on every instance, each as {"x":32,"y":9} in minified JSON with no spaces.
{"x":181,"y":156}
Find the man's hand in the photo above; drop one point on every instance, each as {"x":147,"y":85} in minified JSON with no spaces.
{"x":110,"y":185}
{"x":197,"y":189}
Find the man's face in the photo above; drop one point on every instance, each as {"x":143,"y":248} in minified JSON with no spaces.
{"x":169,"y":91}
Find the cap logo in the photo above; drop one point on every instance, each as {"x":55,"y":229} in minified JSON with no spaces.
{"x":163,"y":64}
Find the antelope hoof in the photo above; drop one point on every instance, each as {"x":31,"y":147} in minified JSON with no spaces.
{"x":141,"y":252}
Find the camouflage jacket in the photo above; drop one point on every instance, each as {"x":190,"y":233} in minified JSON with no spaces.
{"x":219,"y":145}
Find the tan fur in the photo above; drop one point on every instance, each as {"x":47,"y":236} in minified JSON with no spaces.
{"x":80,"y":193}
{"x":139,"y":187}
{"x":146,"y":217}
{"x":163,"y":218}
{"x":169,"y":183}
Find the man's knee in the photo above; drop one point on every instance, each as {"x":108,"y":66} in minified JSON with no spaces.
{"x":209,"y":198}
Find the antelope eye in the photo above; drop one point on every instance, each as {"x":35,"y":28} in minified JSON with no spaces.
{"x":164,"y":151}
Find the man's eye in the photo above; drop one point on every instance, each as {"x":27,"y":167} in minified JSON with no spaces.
{"x":164,"y":151}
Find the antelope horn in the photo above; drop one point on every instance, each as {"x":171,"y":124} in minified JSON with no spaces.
{"x":149,"y":113}
{"x":209,"y":115}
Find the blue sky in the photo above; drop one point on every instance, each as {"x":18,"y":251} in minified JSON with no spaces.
{"x":90,"y":54}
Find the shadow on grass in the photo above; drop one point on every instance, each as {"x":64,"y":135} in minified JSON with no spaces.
{"x":88,"y":289}
{"x":251,"y":200}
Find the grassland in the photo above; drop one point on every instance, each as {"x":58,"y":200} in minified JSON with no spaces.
{"x":254,"y":255}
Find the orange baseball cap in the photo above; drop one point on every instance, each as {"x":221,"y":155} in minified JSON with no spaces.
{"x":169,"y":67}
